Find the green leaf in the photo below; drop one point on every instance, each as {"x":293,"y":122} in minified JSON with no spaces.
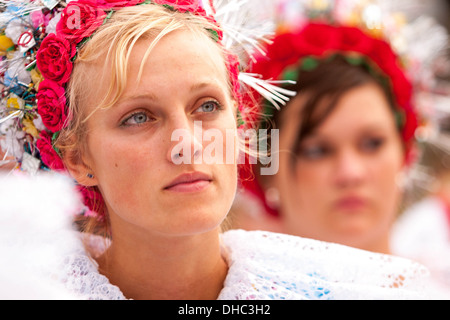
{"x":214,"y":34}
{"x":309,"y":64}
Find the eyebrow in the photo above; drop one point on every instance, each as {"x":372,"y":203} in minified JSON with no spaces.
{"x":152,"y":96}
{"x":372,"y":128}
{"x":202,"y":85}
{"x":149,"y":96}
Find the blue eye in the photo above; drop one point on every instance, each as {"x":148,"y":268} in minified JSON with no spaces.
{"x":208,"y":107}
{"x":137,"y":118}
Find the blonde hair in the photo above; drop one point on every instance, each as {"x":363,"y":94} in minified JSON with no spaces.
{"x":113,"y":43}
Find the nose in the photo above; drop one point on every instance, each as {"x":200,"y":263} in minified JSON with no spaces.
{"x":350,"y":170}
{"x":186,"y":142}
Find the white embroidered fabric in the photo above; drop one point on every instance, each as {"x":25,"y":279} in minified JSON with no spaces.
{"x":273,"y":266}
{"x":44,"y":258}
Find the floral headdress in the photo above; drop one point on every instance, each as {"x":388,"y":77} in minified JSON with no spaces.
{"x":368,"y":33}
{"x":38,"y":46}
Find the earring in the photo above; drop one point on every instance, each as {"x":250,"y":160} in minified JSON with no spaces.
{"x":90,"y":176}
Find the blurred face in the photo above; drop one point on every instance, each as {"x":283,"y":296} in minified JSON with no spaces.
{"x":341,"y":187}
{"x":130,"y":146}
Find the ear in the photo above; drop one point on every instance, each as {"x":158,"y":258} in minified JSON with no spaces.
{"x":79,"y":169}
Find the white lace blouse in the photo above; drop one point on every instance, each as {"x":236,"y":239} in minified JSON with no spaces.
{"x":43,"y":258}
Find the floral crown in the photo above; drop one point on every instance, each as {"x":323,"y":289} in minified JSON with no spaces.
{"x":294,"y":52}
{"x":38,"y":48}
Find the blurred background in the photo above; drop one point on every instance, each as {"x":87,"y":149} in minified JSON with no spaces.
{"x":421,"y":228}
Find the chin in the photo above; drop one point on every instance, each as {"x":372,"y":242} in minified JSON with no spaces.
{"x":194,"y":221}
{"x":193,"y":228}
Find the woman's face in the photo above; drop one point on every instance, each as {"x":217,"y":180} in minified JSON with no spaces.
{"x":131,"y":150}
{"x":342,"y":187}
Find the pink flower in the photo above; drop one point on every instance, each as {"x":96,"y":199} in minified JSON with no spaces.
{"x":54,"y":59}
{"x":51,"y":105}
{"x":79,"y":20}
{"x":37,"y":18}
{"x":182,"y":5}
{"x":48,"y":155}
{"x":109,"y":4}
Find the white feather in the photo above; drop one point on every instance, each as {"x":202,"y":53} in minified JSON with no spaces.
{"x":35,"y":234}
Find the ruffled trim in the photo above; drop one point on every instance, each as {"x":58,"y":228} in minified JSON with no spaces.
{"x":266,"y":265}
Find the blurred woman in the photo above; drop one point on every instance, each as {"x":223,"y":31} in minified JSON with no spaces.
{"x":345,"y":139}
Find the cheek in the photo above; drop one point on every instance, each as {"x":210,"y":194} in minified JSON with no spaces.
{"x":313,"y":179}
{"x":385,"y":172}
{"x":221,"y":141}
{"x":122,"y":165}
{"x":387,"y":167}
{"x":227,"y":168}
{"x":112,"y":156}
{"x":303,"y":186}
{"x":388,"y":191}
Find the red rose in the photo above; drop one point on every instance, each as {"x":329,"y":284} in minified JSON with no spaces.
{"x":79,"y":20}
{"x":93,"y":200}
{"x":401,"y":85}
{"x":48,"y":155}
{"x":411,"y":124}
{"x":108,"y":4}
{"x":54,"y":59}
{"x":51,"y":105}
{"x":282,"y":48}
{"x":316,"y":39}
{"x":354,"y":39}
{"x":182,"y":5}
{"x":270,"y":69}
{"x":383,"y":55}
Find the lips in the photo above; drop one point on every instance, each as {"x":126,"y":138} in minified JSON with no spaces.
{"x":189,"y":182}
{"x":351,"y":203}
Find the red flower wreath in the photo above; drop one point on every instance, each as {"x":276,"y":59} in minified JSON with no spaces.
{"x":115,"y":4}
{"x":321,"y":40}
{"x":181,"y":5}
